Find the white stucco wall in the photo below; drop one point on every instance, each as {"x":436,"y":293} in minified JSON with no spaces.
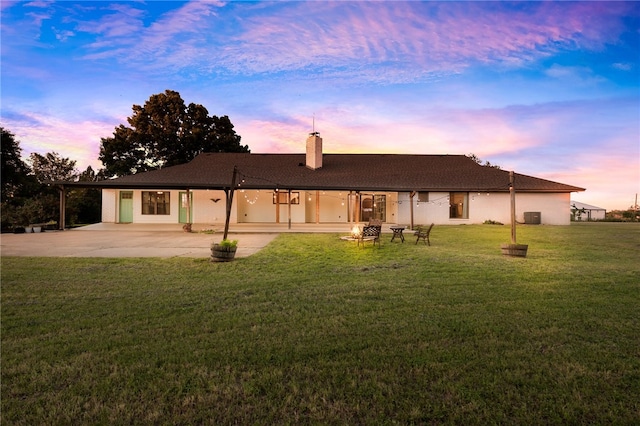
{"x":554,"y":208}
{"x":253,"y":206}
{"x":204,"y":209}
{"x":333,"y":207}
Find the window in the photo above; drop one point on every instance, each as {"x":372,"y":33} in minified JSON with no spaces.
{"x":283,"y":197}
{"x":373,"y":207}
{"x":155,"y":202}
{"x":423,"y":197}
{"x":459,"y":205}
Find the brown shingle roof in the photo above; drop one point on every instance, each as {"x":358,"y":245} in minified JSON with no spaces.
{"x":370,"y":172}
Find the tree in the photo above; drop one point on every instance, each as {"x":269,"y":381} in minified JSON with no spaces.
{"x":51,"y":167}
{"x":166,"y":132}
{"x":18,"y":184}
{"x":85,"y":204}
{"x":479,"y":161}
{"x":44,"y":205}
{"x":15,"y":172}
{"x":28,"y":196}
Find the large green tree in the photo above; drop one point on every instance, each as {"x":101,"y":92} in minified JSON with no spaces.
{"x":166,"y":132}
{"x":15,"y":172}
{"x":52,"y":167}
{"x":84,"y":205}
{"x":28,"y":195}
{"x":43,"y":205}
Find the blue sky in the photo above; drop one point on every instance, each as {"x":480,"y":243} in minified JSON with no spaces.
{"x":549,"y":89}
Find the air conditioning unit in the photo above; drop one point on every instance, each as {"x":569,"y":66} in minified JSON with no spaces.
{"x":532,"y":218}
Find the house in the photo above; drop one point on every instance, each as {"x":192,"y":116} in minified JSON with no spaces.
{"x":586,"y":212}
{"x":331,"y":188}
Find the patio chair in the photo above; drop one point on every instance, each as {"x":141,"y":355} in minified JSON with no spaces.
{"x":370,"y":233}
{"x":423,"y":234}
{"x":375,"y":222}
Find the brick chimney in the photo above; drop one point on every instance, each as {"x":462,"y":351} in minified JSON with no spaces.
{"x":314,"y":151}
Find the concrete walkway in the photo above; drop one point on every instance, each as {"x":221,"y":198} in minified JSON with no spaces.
{"x":98,"y":241}
{"x":150,"y":240}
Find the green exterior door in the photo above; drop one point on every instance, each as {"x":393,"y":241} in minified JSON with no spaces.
{"x":183,"y":208}
{"x":126,"y":206}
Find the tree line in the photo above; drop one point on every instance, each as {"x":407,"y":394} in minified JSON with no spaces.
{"x":161,"y":133}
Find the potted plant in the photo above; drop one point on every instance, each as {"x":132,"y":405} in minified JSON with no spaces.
{"x":224,"y":251}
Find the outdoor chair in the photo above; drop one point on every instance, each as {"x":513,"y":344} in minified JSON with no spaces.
{"x":423,"y":234}
{"x":370,"y":233}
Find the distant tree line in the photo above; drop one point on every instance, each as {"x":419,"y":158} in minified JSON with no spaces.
{"x":632,"y":214}
{"x":163,"y":132}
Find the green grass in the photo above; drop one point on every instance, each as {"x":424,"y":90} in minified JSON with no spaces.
{"x":315,"y":330}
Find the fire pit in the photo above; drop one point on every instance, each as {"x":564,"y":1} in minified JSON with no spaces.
{"x":355,"y":234}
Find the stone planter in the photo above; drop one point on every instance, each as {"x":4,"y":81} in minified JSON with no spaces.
{"x":517,"y":250}
{"x":221,"y":253}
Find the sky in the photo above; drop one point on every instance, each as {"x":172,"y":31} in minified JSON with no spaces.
{"x":547,"y":89}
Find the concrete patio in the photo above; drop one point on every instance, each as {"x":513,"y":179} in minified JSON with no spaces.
{"x":151,"y":240}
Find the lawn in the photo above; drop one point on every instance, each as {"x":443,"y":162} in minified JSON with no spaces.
{"x":314,"y":330}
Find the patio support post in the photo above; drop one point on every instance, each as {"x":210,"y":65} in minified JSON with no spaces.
{"x":188,"y":222}
{"x":229,"y":199}
{"x":411,"y":195}
{"x":317,"y":206}
{"x":63,"y":202}
{"x":512,"y":192}
{"x":289,"y":208}
{"x":358,"y":206}
{"x":277,"y":206}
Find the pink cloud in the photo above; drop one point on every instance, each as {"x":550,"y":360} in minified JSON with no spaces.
{"x":432,"y":37}
{"x":176,"y":39}
{"x":610,"y":176}
{"x":551,"y":141}
{"x":76,"y":140}
{"x":384,"y":42}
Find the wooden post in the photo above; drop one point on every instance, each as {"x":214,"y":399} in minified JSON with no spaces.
{"x":63,"y":202}
{"x":277,"y":206}
{"x":317,"y":206}
{"x":289,"y":208}
{"x":352,"y":217}
{"x":229,"y":198}
{"x":512,"y":192}
{"x":187,"y":225}
{"x":188,"y":206}
{"x":411,"y":195}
